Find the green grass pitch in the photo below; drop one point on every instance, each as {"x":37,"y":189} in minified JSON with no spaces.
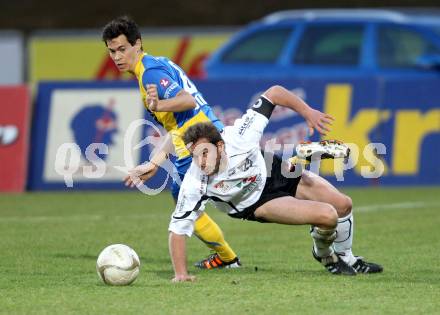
{"x":50,"y":242}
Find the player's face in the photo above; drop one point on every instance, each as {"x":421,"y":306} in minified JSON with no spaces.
{"x":123,"y":54}
{"x":207,"y":156}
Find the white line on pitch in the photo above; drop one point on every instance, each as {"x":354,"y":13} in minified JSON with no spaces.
{"x":396,"y":205}
{"x":83,"y":217}
{"x":91,"y":217}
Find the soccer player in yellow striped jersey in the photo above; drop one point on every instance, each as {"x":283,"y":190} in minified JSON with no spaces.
{"x":175,"y":103}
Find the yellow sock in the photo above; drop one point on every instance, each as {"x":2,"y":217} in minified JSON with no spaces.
{"x":209,"y":232}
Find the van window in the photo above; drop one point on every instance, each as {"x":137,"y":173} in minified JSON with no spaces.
{"x":400,"y":47}
{"x":264,"y":46}
{"x":330,"y":45}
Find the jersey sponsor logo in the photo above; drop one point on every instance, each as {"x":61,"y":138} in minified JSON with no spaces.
{"x":251,"y":179}
{"x":8,"y":134}
{"x":222,"y":186}
{"x":251,"y":183}
{"x":247,"y":180}
{"x":219,"y":185}
{"x":245,"y":184}
{"x":246,"y":124}
{"x":164,"y":82}
{"x":171,"y":88}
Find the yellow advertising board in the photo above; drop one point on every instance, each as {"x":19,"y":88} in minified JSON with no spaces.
{"x":85,"y":57}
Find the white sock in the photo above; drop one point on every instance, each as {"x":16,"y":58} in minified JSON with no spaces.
{"x":322,"y":241}
{"x":344,"y":239}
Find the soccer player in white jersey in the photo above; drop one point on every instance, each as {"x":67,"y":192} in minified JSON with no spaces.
{"x":228,"y":168}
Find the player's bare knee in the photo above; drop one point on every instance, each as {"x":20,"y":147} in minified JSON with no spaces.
{"x":345,"y":206}
{"x":349,"y":204}
{"x":260,"y":212}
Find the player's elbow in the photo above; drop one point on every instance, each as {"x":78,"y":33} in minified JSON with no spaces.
{"x":187,"y":99}
{"x":188,"y":103}
{"x":192,"y":102}
{"x":275,"y":93}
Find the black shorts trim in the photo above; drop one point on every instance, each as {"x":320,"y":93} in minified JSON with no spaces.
{"x":276,"y":186}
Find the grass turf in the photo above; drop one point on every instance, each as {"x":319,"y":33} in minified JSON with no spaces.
{"x":50,"y":241}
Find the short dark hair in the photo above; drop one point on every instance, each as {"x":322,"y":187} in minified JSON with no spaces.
{"x":202,"y":130}
{"x":122,"y":25}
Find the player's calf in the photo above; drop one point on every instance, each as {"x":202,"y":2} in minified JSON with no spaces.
{"x":327,"y":216}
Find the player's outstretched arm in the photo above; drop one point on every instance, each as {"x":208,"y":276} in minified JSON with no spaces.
{"x":140,"y":173}
{"x":145,"y":171}
{"x":183,"y":101}
{"x":315,"y":119}
{"x":177,"y":245}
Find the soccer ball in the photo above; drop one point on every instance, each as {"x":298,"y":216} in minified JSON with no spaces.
{"x":118,"y":264}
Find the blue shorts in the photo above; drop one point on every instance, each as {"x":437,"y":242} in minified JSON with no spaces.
{"x":182,"y":168}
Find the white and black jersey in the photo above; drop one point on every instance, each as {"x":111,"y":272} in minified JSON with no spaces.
{"x":239,"y":185}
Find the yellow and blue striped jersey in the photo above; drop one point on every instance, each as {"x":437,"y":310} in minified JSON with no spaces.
{"x":170,"y":79}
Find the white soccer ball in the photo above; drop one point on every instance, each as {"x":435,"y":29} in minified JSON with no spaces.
{"x":118,"y":264}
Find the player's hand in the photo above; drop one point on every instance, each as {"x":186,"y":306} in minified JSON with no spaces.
{"x":140,"y":173}
{"x":152,"y":98}
{"x":183,"y":278}
{"x":319,"y":121}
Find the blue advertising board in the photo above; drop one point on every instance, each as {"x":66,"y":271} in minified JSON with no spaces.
{"x":69,"y":117}
{"x":400,"y":117}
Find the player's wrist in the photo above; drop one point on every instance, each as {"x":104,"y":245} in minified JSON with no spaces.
{"x":305,"y":111}
{"x":185,"y":278}
{"x":181,"y":274}
{"x":156,"y":165}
